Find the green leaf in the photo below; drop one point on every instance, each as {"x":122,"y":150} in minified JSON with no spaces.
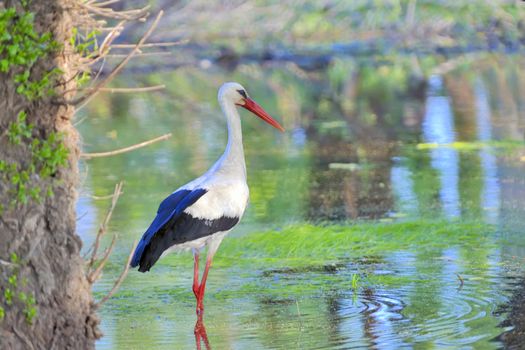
{"x":8,"y":295}
{"x":4,"y":65}
{"x":12,"y":280}
{"x":14,"y":258}
{"x":12,"y":50}
{"x":22,"y":296}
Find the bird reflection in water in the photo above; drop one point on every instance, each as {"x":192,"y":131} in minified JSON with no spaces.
{"x":200,"y":334}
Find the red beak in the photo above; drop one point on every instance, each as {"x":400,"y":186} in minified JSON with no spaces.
{"x":253,"y":107}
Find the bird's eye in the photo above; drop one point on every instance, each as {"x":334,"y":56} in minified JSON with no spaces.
{"x":243,"y":93}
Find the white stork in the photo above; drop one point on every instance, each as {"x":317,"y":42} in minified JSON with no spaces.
{"x":204,"y":210}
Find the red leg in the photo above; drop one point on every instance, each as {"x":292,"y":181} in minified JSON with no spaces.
{"x":200,"y":334}
{"x":197,"y":333}
{"x":196,"y":273}
{"x":202,"y":287}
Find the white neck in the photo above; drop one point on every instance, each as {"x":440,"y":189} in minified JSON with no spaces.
{"x":231,"y":163}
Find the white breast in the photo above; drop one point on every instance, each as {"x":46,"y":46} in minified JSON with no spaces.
{"x":222,"y":199}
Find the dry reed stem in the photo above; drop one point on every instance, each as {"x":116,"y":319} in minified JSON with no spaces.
{"x":131,"y":90}
{"x":109,"y":196}
{"x":141,"y":54}
{"x":121,"y":278}
{"x":99,"y":10}
{"x":125,"y":149}
{"x":103,"y":227}
{"x":83,"y":100}
{"x":164,"y":44}
{"x":95,"y":274}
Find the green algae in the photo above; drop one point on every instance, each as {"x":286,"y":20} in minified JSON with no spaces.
{"x":310,"y":244}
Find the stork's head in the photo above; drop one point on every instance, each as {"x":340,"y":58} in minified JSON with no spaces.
{"x":236,"y":93}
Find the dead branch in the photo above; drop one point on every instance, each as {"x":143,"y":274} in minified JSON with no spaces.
{"x":97,"y":17}
{"x":103,"y":49}
{"x":165,"y":44}
{"x":103,"y":227}
{"x":80,"y":121}
{"x":118,"y":90}
{"x":106,"y":44}
{"x":141,"y":54}
{"x":121,"y":278}
{"x":98,"y":9}
{"x":125,"y":149}
{"x":95,"y":274}
{"x":109,"y":196}
{"x":105,"y":3}
{"x":83,"y":100}
{"x":132,"y":90}
{"x":99,"y":72}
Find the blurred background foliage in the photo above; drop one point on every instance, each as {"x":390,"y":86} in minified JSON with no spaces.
{"x":301,"y":24}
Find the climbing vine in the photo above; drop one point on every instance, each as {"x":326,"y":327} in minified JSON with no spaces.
{"x":21,"y":47}
{"x":12,"y":293}
{"x":47,"y":156}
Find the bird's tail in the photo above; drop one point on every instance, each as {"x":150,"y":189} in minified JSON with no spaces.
{"x":137,"y":255}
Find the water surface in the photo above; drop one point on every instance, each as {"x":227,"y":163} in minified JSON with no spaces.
{"x":389,"y":215}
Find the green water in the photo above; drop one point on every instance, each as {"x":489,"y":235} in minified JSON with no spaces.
{"x":389,"y":215}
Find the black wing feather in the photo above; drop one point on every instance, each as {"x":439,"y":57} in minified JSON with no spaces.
{"x":173,"y":226}
{"x":182,"y":229}
{"x":170,"y":208}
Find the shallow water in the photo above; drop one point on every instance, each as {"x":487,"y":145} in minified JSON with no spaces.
{"x":392,"y":208}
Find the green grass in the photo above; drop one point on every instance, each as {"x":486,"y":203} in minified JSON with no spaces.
{"x":310,"y":250}
{"x":308,"y":260}
{"x":309,"y":244}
